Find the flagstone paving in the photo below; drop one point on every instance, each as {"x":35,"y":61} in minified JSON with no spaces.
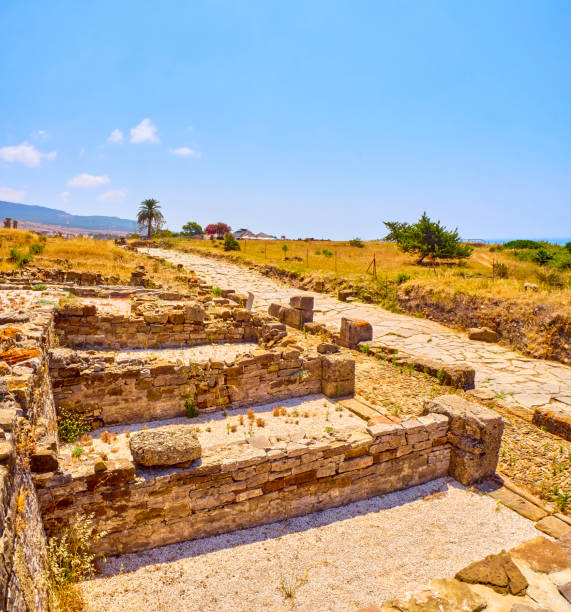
{"x":516,"y":379}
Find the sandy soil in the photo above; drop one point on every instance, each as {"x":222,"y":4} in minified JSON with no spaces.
{"x":337,"y":560}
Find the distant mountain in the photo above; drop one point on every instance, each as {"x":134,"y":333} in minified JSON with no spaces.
{"x":52,"y":216}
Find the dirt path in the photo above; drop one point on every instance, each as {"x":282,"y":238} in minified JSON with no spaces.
{"x":517,"y":379}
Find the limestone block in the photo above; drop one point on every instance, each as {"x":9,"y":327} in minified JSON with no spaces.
{"x":484,"y":334}
{"x":274,"y":310}
{"x":301,"y":302}
{"x":168,"y":445}
{"x":338,"y":367}
{"x":475,"y":434}
{"x":352,"y":332}
{"x":194,"y":312}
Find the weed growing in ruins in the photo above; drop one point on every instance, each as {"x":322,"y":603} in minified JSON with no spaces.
{"x":217,"y":292}
{"x":329,"y":429}
{"x":71,"y":560}
{"x":228,"y":428}
{"x":365,"y":348}
{"x":260,"y":422}
{"x":560,"y":498}
{"x":250,"y":414}
{"x":71,"y":425}
{"x":39,"y":287}
{"x":77,"y":451}
{"x":441,"y":375}
{"x":36,"y":248}
{"x":191,"y":408}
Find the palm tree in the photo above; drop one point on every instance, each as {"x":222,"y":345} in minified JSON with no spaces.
{"x":150,"y":215}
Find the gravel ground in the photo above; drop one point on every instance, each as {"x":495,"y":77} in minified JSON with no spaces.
{"x":194,"y":354}
{"x":337,"y":560}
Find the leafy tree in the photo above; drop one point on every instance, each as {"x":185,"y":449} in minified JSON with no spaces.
{"x":230,"y":243}
{"x":542,"y":256}
{"x":192,"y":229}
{"x":217,"y":229}
{"x":568,"y":246}
{"x":427,"y":239}
{"x":150,"y":215}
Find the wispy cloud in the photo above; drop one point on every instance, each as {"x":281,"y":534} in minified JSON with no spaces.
{"x":64,"y":195}
{"x":40,"y":135}
{"x":88,"y":180}
{"x":117,"y":194}
{"x":12,"y":195}
{"x":116,"y":136}
{"x":186,"y":152}
{"x":26,"y":154}
{"x":146,"y":131}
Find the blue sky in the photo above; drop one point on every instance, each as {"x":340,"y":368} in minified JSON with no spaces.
{"x":299,"y":118}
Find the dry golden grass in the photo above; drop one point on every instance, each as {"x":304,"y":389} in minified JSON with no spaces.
{"x":349,"y":262}
{"x":82,"y":254}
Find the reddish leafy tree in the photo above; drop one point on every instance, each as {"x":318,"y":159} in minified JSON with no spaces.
{"x":217,"y":229}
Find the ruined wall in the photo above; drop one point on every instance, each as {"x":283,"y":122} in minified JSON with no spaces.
{"x":108,"y":392}
{"x":80,"y":325}
{"x":255,"y":486}
{"x":27,"y":434}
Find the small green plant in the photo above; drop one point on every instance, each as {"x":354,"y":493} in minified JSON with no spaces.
{"x":191,"y":408}
{"x":228,"y":428}
{"x":71,"y":425}
{"x":441,"y":376}
{"x":365,"y":348}
{"x":39,"y":287}
{"x":77,"y":452}
{"x":402,"y":277}
{"x":561,"y":499}
{"x":327,"y":253}
{"x":216,"y":292}
{"x":19,"y":258}
{"x":329,"y":429}
{"x":500,"y":270}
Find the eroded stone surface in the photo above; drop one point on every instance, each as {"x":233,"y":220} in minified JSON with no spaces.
{"x":496,"y":571}
{"x":169,"y":445}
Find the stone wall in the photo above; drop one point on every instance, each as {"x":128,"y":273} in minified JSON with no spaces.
{"x":109,"y":392}
{"x":142,"y":508}
{"x":157,"y":326}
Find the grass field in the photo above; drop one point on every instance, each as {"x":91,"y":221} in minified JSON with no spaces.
{"x":339,"y":259}
{"x":81,"y":254}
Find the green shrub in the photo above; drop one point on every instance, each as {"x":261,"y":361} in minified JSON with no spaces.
{"x":230,"y":243}
{"x":568,"y":246}
{"x":500,"y":270}
{"x":19,"y":258}
{"x":551,"y":279}
{"x":542,"y":256}
{"x":327,"y":253}
{"x":402,"y":277}
{"x":39,"y":287}
{"x":356,"y":242}
{"x":191,"y":409}
{"x":216,"y":292}
{"x":522,"y":244}
{"x":36,"y":248}
{"x":71,"y":425}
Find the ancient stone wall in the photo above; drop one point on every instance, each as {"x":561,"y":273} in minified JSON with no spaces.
{"x":143,"y":508}
{"x":109,"y":392}
{"x":81,"y":325}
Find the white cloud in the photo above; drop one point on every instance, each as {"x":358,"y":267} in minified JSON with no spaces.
{"x":82,"y":153}
{"x":88,"y":180}
{"x":185,"y":151}
{"x":39,"y":135}
{"x":117,"y":194}
{"x":117,"y":135}
{"x":146,"y":131}
{"x":12,"y":195}
{"x":64,"y":195}
{"x":26,"y":154}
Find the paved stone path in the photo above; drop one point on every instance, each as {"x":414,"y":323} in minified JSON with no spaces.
{"x":517,"y":379}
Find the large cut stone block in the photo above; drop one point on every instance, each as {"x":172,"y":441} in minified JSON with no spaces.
{"x":475,"y":435}
{"x":293,"y":317}
{"x":352,"y":332}
{"x":194,"y":313}
{"x":169,"y":445}
{"x":301,"y":302}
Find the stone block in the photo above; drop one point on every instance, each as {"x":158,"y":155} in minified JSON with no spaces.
{"x":484,"y":334}
{"x":194,"y":313}
{"x":274,"y":310}
{"x":301,"y":302}
{"x":44,"y":460}
{"x":338,"y":367}
{"x":339,"y":388}
{"x":475,"y":435}
{"x":352,"y":332}
{"x":168,"y":445}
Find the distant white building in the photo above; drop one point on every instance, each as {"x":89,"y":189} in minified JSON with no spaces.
{"x":246,"y":234}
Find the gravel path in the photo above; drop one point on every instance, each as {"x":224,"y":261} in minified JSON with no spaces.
{"x":337,"y":560}
{"x":525,"y":381}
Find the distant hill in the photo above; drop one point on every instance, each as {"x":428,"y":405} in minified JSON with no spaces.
{"x":52,"y":216}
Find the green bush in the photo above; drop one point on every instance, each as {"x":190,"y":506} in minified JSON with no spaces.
{"x":402,"y":277}
{"x":356,"y":242}
{"x":230,"y":243}
{"x":522,"y":244}
{"x":551,"y":279}
{"x":568,"y":246}
{"x":71,"y":425}
{"x":500,"y":270}
{"x":542,"y":256}
{"x":19,"y":258}
{"x":327,"y":253}
{"x":36,"y":248}
{"x":191,"y":409}
{"x":39,"y":287}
